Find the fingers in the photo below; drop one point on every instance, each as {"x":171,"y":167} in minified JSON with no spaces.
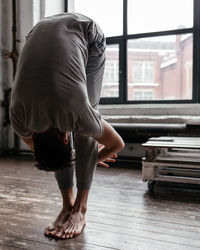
{"x":100,"y":146}
{"x":110,"y":160}
{"x":103,"y":164}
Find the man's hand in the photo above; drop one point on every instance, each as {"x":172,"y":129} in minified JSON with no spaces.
{"x":112,"y":143}
{"x":110,"y":159}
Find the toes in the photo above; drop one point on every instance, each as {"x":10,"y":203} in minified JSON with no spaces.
{"x":53,"y":232}
{"x":67,"y":236}
{"x":49,"y":228}
{"x":71,"y":235}
{"x":63,"y":235}
{"x":48,"y":231}
{"x":56,"y":230}
{"x":75,"y":234}
{"x":58,"y":235}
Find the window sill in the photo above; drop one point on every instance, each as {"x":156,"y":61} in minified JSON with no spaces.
{"x":150,"y":109}
{"x":152,"y":113}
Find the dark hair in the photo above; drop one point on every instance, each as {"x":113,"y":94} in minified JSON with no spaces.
{"x":50,"y":151}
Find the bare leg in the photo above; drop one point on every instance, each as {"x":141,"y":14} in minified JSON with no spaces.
{"x":68,"y":202}
{"x":76,"y":221}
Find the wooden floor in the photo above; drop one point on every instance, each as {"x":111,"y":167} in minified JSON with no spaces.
{"x":121,"y":213}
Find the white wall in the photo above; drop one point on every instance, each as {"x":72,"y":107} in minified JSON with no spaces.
{"x":29,"y":12}
{"x":5,"y":64}
{"x":24,"y":24}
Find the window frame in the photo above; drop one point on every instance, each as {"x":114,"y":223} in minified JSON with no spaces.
{"x":119,"y":99}
{"x":122,"y":41}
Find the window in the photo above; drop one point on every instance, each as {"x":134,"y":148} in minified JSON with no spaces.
{"x":110,"y":86}
{"x":53,"y":7}
{"x":161,"y":66}
{"x":45,"y":8}
{"x":157,"y":15}
{"x":107,"y":13}
{"x":153,"y":47}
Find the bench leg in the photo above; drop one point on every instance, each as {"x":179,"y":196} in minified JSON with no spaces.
{"x":149,"y":170}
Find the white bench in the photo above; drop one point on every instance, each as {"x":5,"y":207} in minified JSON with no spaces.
{"x":172,"y":159}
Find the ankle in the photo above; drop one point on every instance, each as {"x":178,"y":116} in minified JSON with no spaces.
{"x":78,"y":208}
{"x":67,"y":206}
{"x":67,"y":197}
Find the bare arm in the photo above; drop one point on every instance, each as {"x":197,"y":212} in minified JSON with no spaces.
{"x":110,"y":139}
{"x":112,"y":142}
{"x":29,"y":142}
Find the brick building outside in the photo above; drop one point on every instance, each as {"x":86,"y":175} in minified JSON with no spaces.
{"x":157,"y":69}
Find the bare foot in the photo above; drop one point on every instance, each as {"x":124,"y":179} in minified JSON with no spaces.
{"x":73,"y":226}
{"x":58,"y":223}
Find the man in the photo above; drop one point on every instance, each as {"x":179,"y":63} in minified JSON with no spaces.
{"x":56,"y":91}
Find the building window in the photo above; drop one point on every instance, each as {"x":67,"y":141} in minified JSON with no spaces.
{"x":111,"y":71}
{"x":143,"y":72}
{"x":143,"y":95}
{"x":110,"y":86}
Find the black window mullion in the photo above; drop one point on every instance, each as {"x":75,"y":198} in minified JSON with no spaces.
{"x":196,"y":52}
{"x":122,"y":72}
{"x":124,"y":87}
{"x":65,"y":5}
{"x":122,"y":41}
{"x":160,"y":33}
{"x":115,"y":100}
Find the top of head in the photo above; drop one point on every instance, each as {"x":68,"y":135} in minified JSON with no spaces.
{"x":52,"y":150}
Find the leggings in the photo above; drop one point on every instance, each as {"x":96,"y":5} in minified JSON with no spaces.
{"x":86,"y":147}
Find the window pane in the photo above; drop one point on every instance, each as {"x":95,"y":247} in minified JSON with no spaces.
{"x":160,"y":68}
{"x":53,"y":7}
{"x":110,"y":86}
{"x":157,"y":15}
{"x":108,"y":14}
{"x":45,"y":8}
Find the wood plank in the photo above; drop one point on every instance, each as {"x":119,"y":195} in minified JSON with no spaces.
{"x":171,"y":145}
{"x":108,"y":236}
{"x":176,"y":179}
{"x":175,"y":158}
{"x":121,"y":214}
{"x":163,"y":163}
{"x":12,"y":194}
{"x":135,"y":204}
{"x":171,"y":142}
{"x":175,"y":138}
{"x":135,"y":226}
{"x":14,"y":242}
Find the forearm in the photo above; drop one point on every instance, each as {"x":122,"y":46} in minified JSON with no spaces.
{"x":29,"y":142}
{"x":112,"y":142}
